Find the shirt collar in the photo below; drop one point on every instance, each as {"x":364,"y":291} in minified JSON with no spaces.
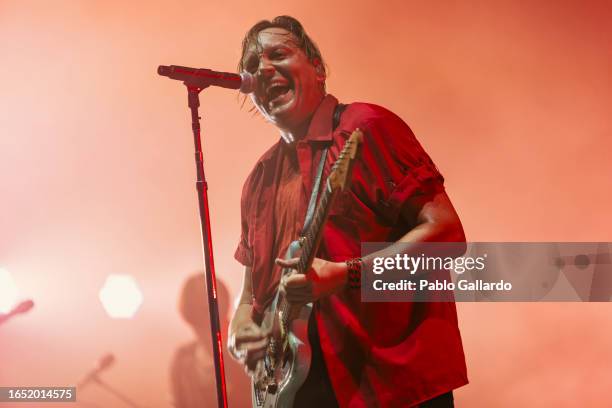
{"x":319,"y":130}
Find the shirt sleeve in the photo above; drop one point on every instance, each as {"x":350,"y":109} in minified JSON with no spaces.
{"x":244,"y":252}
{"x":401,"y":169}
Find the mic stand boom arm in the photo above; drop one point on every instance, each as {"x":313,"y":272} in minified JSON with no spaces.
{"x":211,"y":283}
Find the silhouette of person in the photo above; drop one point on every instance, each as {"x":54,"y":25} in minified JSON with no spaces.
{"x":192,"y":371}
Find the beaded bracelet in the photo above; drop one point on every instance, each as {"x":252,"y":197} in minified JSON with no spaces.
{"x":354,"y":272}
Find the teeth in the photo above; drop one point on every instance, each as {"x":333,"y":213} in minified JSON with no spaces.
{"x":276,"y":91}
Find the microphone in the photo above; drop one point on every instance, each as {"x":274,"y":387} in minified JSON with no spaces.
{"x":102,"y":364}
{"x":202,"y":77}
{"x":22,"y":307}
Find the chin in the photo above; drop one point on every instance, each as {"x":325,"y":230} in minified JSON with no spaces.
{"x":290,"y":116}
{"x":284,"y":117}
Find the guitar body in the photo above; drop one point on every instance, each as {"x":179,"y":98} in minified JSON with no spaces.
{"x":275,"y":383}
{"x":292,"y":374}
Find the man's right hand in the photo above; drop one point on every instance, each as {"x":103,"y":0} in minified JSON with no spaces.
{"x":248,"y":344}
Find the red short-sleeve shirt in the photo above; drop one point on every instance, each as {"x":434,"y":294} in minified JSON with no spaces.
{"x":377,"y":354}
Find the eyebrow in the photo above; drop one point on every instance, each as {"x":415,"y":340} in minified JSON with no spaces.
{"x":271,"y":48}
{"x":254,"y":53}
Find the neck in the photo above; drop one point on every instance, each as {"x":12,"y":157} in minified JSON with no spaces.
{"x":296,"y":133}
{"x":293,"y":133}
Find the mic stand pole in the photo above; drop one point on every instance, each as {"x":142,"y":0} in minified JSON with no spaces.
{"x":116,"y":393}
{"x":211,"y":285}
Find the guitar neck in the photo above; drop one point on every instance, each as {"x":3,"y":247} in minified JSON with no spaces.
{"x":309,"y":244}
{"x":312,"y":238}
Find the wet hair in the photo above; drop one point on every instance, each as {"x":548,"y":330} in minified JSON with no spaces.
{"x":303,"y":41}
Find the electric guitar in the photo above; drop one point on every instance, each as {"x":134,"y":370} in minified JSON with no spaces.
{"x":282,"y":371}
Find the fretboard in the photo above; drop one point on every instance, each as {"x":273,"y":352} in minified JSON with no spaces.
{"x":312,"y":237}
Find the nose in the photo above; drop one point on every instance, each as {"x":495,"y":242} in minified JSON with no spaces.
{"x":265,"y":69}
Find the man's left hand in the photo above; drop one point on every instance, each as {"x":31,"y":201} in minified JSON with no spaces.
{"x":324,"y":278}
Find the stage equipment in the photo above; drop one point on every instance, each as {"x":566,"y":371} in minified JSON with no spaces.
{"x":93,"y":377}
{"x":121,"y":296}
{"x":196,"y":80}
{"x":22,"y":307}
{"x":203,"y":78}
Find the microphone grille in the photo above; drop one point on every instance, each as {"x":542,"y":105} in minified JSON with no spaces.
{"x":106,"y":361}
{"x":248,"y":83}
{"x":24,"y":306}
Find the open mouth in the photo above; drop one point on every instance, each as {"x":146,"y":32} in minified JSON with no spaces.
{"x":278,"y":94}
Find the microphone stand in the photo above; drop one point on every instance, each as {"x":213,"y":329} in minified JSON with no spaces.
{"x":116,"y":393}
{"x":211,"y":285}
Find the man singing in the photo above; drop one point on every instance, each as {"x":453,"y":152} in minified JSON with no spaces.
{"x":364,"y":354}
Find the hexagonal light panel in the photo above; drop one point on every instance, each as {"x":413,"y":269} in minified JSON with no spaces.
{"x":9,"y":292}
{"x":120,"y":296}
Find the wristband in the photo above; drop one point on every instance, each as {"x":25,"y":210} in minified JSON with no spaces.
{"x":353,"y":267}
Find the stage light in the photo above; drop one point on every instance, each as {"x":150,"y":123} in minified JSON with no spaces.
{"x":120,"y":296}
{"x":9,"y":292}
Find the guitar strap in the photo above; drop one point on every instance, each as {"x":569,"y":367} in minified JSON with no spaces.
{"x":317,"y":181}
{"x":315,"y":192}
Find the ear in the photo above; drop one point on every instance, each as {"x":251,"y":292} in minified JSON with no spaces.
{"x":320,"y":69}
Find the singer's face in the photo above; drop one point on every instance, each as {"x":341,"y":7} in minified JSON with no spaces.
{"x":289,"y":86}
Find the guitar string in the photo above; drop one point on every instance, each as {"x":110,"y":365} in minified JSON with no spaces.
{"x":307,"y":246}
